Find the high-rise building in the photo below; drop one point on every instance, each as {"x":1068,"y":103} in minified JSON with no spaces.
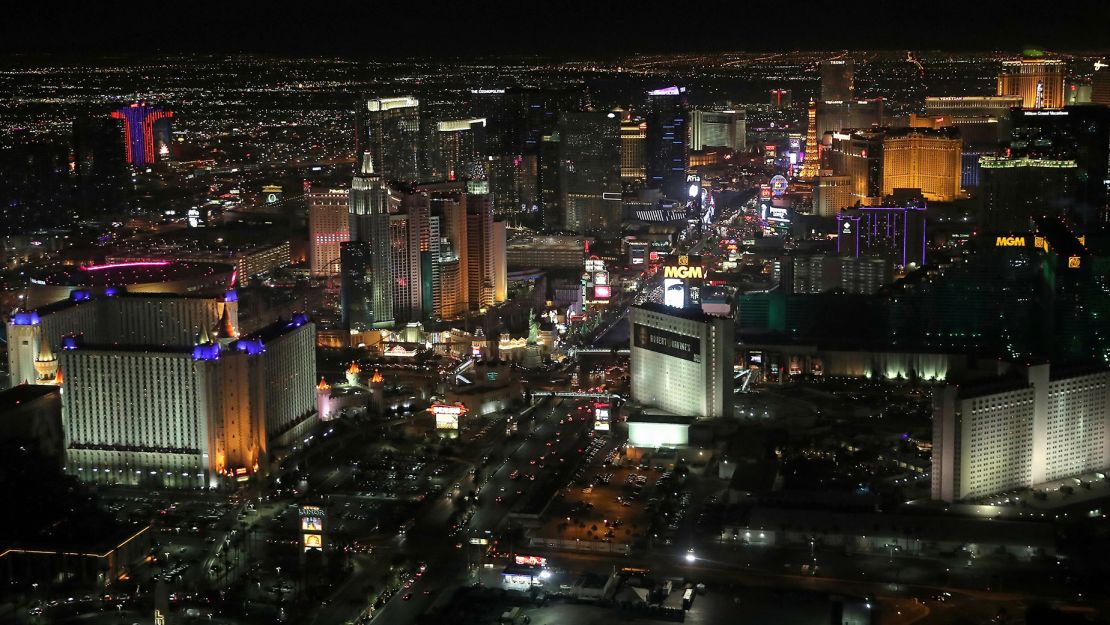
{"x":369,"y":208}
{"x":328,"y":228}
{"x":896,"y":233}
{"x":781,"y":99}
{"x":718,"y":129}
{"x":500,"y":262}
{"x":837,"y":80}
{"x":816,"y":273}
{"x":1038,"y":424}
{"x":589,"y":157}
{"x":451,"y":295}
{"x":357,"y":303}
{"x":480,"y":270}
{"x":858,"y":154}
{"x":666,"y":147}
{"x":682,"y":361}
{"x":162,"y":390}
{"x":460,"y":149}
{"x":1078,"y":133}
{"x":841,"y":115}
{"x":1017,"y":190}
{"x":983,"y":121}
{"x":143,"y":142}
{"x":830,"y":194}
{"x":1100,"y":84}
{"x":389,"y":129}
{"x":406,"y":229}
{"x":923,"y":158}
{"x":1039,"y":81}
{"x":633,"y":136}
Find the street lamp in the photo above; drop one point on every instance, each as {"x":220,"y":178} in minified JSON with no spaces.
{"x":690,"y":557}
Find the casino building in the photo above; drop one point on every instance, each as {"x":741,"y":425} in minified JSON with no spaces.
{"x":681,"y":361}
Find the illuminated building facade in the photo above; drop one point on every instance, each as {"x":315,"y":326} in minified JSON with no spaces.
{"x":140,"y":144}
{"x":841,"y":115}
{"x":781,"y":99}
{"x":328,"y":228}
{"x":858,"y":154}
{"x":923,"y":158}
{"x":1038,"y":81}
{"x":1041,"y":423}
{"x":681,"y":361}
{"x":832,"y":193}
{"x":460,"y":149}
{"x":633,"y":136}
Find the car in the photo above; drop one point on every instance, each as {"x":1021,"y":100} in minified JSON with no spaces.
{"x":498,"y":499}
{"x":407,"y":596}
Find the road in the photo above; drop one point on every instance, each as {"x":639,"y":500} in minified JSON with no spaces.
{"x":430,"y":539}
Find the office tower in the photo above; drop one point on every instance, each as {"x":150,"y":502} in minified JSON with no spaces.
{"x":781,"y":99}
{"x":139,"y":133}
{"x":1037,"y":424}
{"x":100,"y":164}
{"x":633,"y":136}
{"x":460,"y":149}
{"x":480,"y":269}
{"x":837,"y":80}
{"x":923,"y":158}
{"x":500,"y":262}
{"x":896,"y":233}
{"x":369,"y":208}
{"x":718,"y":129}
{"x":858,"y":154}
{"x":681,"y":361}
{"x":838,"y":115}
{"x":328,"y":228}
{"x":1017,"y":190}
{"x":666,"y":147}
{"x":389,"y":129}
{"x":1079,"y":133}
{"x":830,"y":194}
{"x":1039,"y":82}
{"x":811,"y":163}
{"x":589,"y":150}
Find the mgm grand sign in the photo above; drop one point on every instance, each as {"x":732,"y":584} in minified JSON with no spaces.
{"x":685,"y":268}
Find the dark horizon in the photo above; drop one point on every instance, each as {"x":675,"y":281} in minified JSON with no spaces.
{"x":577,"y":30}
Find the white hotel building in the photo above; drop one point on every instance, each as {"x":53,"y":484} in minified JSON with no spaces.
{"x":1006,"y":434}
{"x":162,"y":390}
{"x":682,"y":361}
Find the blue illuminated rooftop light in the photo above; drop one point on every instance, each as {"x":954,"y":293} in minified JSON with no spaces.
{"x":251,"y":347}
{"x":26,"y":318}
{"x":231,"y":296}
{"x":81,"y":295}
{"x":209,"y":352}
{"x":69,"y":342}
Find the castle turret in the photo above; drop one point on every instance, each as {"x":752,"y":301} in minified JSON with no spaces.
{"x":352,"y":374}
{"x":46,"y":364}
{"x":323,"y":400}
{"x":377,"y":394}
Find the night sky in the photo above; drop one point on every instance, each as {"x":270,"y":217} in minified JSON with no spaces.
{"x":374,"y":28}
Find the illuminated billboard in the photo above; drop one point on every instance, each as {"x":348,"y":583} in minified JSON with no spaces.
{"x":601,"y":417}
{"x":313,"y":542}
{"x":602,"y":292}
{"x":447,"y":415}
{"x":530,"y":561}
{"x":667,"y":342}
{"x":778,"y":185}
{"x":312,"y":524}
{"x":674,"y":292}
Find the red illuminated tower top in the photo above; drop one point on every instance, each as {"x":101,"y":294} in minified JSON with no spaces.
{"x":138,"y":130}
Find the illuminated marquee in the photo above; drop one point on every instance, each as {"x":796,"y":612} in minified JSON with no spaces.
{"x":530,"y":561}
{"x":447,"y":415}
{"x":686,"y":268}
{"x":1073,"y":262}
